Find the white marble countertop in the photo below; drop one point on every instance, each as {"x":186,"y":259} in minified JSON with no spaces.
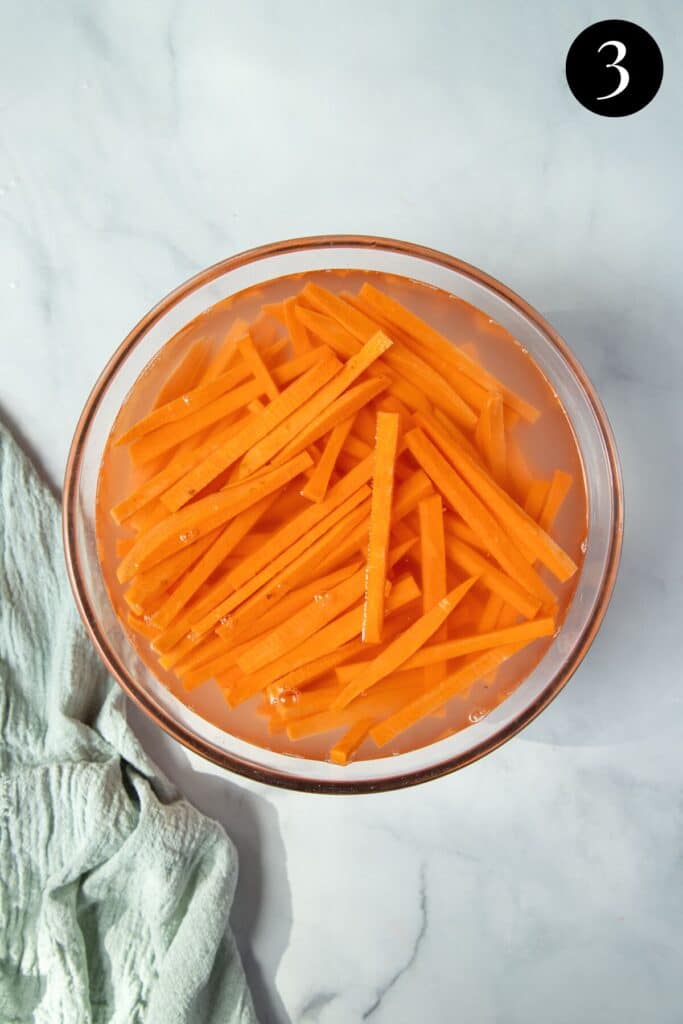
{"x":141,"y":142}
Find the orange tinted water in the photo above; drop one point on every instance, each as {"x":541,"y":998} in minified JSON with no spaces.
{"x":547,"y":445}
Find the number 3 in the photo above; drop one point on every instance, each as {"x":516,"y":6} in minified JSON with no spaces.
{"x":624,"y":77}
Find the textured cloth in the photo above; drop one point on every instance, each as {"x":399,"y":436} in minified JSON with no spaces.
{"x":114,"y":892}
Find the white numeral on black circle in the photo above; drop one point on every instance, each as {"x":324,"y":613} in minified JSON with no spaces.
{"x":624,"y":77}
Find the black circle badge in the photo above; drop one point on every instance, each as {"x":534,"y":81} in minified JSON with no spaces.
{"x":614,"y":68}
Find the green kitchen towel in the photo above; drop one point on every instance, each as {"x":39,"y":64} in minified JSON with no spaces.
{"x":114,"y":892}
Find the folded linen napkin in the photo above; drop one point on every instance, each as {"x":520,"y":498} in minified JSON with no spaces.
{"x":114,"y":892}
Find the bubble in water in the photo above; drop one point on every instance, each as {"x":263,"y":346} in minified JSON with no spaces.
{"x":584,"y":545}
{"x":322,"y":599}
{"x":476,"y":715}
{"x":288,"y":697}
{"x":226,"y":620}
{"x":186,"y":536}
{"x":147,"y":619}
{"x":186,"y":399}
{"x":192,"y":636}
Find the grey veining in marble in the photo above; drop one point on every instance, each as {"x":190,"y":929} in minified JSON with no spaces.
{"x":141,"y":142}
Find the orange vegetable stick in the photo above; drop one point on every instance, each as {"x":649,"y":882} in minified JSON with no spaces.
{"x":298,"y":335}
{"x":186,"y":373}
{"x":535,"y":499}
{"x":428,"y":380}
{"x":303,"y":523}
{"x":491,"y":613}
{"x":406,"y":498}
{"x":301,"y":626}
{"x":433,"y":341}
{"x":165,"y":573}
{"x":462,"y":555}
{"x":159,"y":441}
{"x":185,"y":405}
{"x":145,"y":629}
{"x":457,"y":528}
{"x":277,"y":611}
{"x":519,"y":474}
{"x":380,"y":524}
{"x":252,"y":358}
{"x":454,"y":432}
{"x":123,"y":545}
{"x":289,"y":371}
{"x":215,"y":556}
{"x":559,"y":489}
{"x":307,"y":413}
{"x":324,"y":721}
{"x":346,"y":405}
{"x":340,"y":341}
{"x":204,"y":516}
{"x":165,"y":478}
{"x":316,"y":488}
{"x":457,"y":648}
{"x":349,"y":743}
{"x":226,"y":354}
{"x":257,"y":427}
{"x":402,"y":647}
{"x":437,"y":696}
{"x":328,"y":640}
{"x":467,"y":504}
{"x":498,"y":445}
{"x":285,"y":560}
{"x":521,"y":528}
{"x":433,"y":558}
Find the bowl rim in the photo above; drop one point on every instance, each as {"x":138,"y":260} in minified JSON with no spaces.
{"x":145,"y":701}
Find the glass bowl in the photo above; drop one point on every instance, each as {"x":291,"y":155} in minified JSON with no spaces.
{"x":567,"y":378}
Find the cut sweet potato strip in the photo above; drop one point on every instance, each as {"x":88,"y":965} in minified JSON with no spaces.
{"x":434,"y":576}
{"x":301,"y":524}
{"x":214,"y":557}
{"x":141,"y":626}
{"x":402,"y":648}
{"x":560,"y":486}
{"x":204,"y":516}
{"x":472,"y":561}
{"x":342,"y":751}
{"x":301,"y":626}
{"x":535,"y":499}
{"x":520,"y":476}
{"x":186,"y":374}
{"x":270,"y":573}
{"x":298,"y":335}
{"x":457,"y":528}
{"x":259,"y":370}
{"x":287,"y":372}
{"x":432,"y":340}
{"x":492,"y":609}
{"x":159,"y":441}
{"x":380,"y":524}
{"x":179,"y":464}
{"x":458,"y":648}
{"x":332,"y":333}
{"x":185,"y":405}
{"x":316,"y":488}
{"x":465,"y":502}
{"x":348,"y":404}
{"x":472,"y":394}
{"x":331,"y":638}
{"x":256,"y":428}
{"x":442,"y":395}
{"x":301,"y":418}
{"x":429,"y":702}
{"x":163,"y":575}
{"x":123,"y":545}
{"x":521,"y":528}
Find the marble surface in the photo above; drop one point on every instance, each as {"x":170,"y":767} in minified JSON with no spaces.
{"x":141,"y":142}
